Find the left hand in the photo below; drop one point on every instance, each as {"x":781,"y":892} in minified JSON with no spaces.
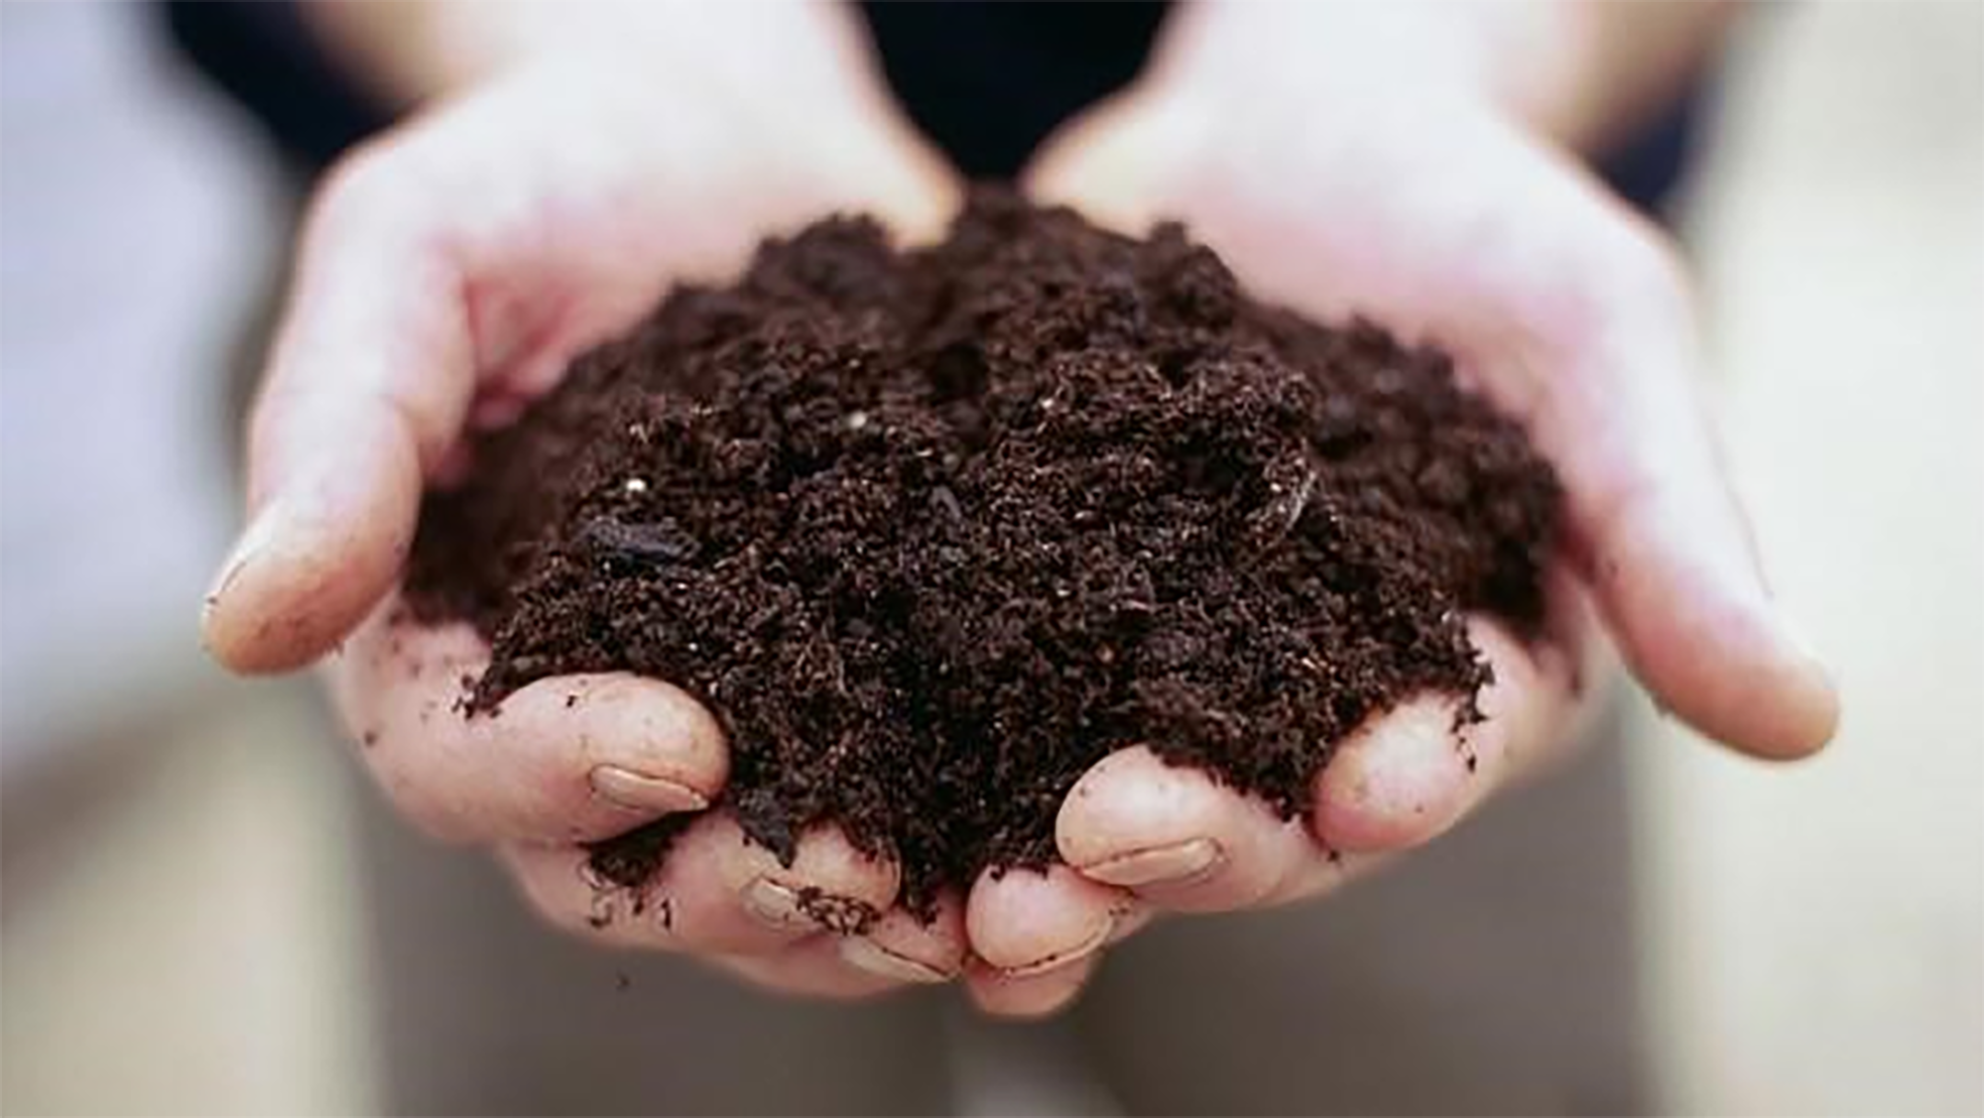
{"x":1358,"y":181}
{"x":449,"y":272}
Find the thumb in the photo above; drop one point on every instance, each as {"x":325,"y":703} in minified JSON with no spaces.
{"x":1114,"y":162}
{"x":368,"y":384}
{"x":1578,"y":320}
{"x":1654,"y":520}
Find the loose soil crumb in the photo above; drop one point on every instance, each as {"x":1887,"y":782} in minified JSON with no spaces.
{"x":932,"y":532}
{"x":836,"y":914}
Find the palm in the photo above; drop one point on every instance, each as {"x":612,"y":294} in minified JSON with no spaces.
{"x":449,"y":275}
{"x":1556,"y":300}
{"x":1447,"y":224}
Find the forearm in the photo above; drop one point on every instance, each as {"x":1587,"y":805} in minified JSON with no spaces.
{"x":1615,"y":64}
{"x":407,"y":51}
{"x":1583,"y":72}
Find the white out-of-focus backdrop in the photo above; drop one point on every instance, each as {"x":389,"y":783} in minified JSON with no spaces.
{"x":181,"y":929}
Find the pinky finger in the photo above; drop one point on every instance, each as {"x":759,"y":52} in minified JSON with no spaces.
{"x":1026,"y":996}
{"x":559,"y":886}
{"x":903,"y":947}
{"x":1408,"y":775}
{"x":811,"y":968}
{"x":1324,"y":874}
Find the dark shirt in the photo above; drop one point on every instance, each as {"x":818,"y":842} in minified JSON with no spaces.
{"x":987,"y":81}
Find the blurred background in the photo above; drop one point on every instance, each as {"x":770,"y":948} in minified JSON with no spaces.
{"x":181,"y":918}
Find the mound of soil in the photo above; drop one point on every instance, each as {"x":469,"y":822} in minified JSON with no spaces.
{"x":933,"y":531}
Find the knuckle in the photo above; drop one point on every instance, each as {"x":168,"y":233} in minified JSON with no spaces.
{"x":1614,"y":269}
{"x":360,"y":187}
{"x":558,"y":887}
{"x":1640,"y":264}
{"x":537,"y":897}
{"x":420,"y":798}
{"x":557,"y":911}
{"x":353,"y":183}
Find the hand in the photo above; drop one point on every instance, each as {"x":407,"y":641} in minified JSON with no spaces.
{"x":1336,"y":173}
{"x":448,"y":273}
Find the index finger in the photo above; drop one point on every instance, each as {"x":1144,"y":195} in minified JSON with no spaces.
{"x":368,"y":384}
{"x":572,"y":758}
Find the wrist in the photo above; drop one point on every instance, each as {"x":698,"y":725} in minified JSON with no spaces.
{"x":409,"y":51}
{"x":1521,"y":53}
{"x":1573,"y":72}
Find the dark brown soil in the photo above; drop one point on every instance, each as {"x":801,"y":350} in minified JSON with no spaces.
{"x":932,"y":532}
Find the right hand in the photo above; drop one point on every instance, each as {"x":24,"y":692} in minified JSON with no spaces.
{"x":448,"y":273}
{"x":1345,"y":159}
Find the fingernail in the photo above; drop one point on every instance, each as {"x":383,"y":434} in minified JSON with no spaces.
{"x":1159,"y":865}
{"x":636,"y":791}
{"x":1816,"y":690}
{"x":775,"y":904}
{"x":1088,"y":946}
{"x":1792,"y":634}
{"x":1803,"y":652}
{"x":865,"y":954}
{"x":254,"y":538}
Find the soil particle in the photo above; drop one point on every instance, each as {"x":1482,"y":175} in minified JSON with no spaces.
{"x":932,"y":532}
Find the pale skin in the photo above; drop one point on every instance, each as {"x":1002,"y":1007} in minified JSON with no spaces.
{"x":1403,"y":164}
